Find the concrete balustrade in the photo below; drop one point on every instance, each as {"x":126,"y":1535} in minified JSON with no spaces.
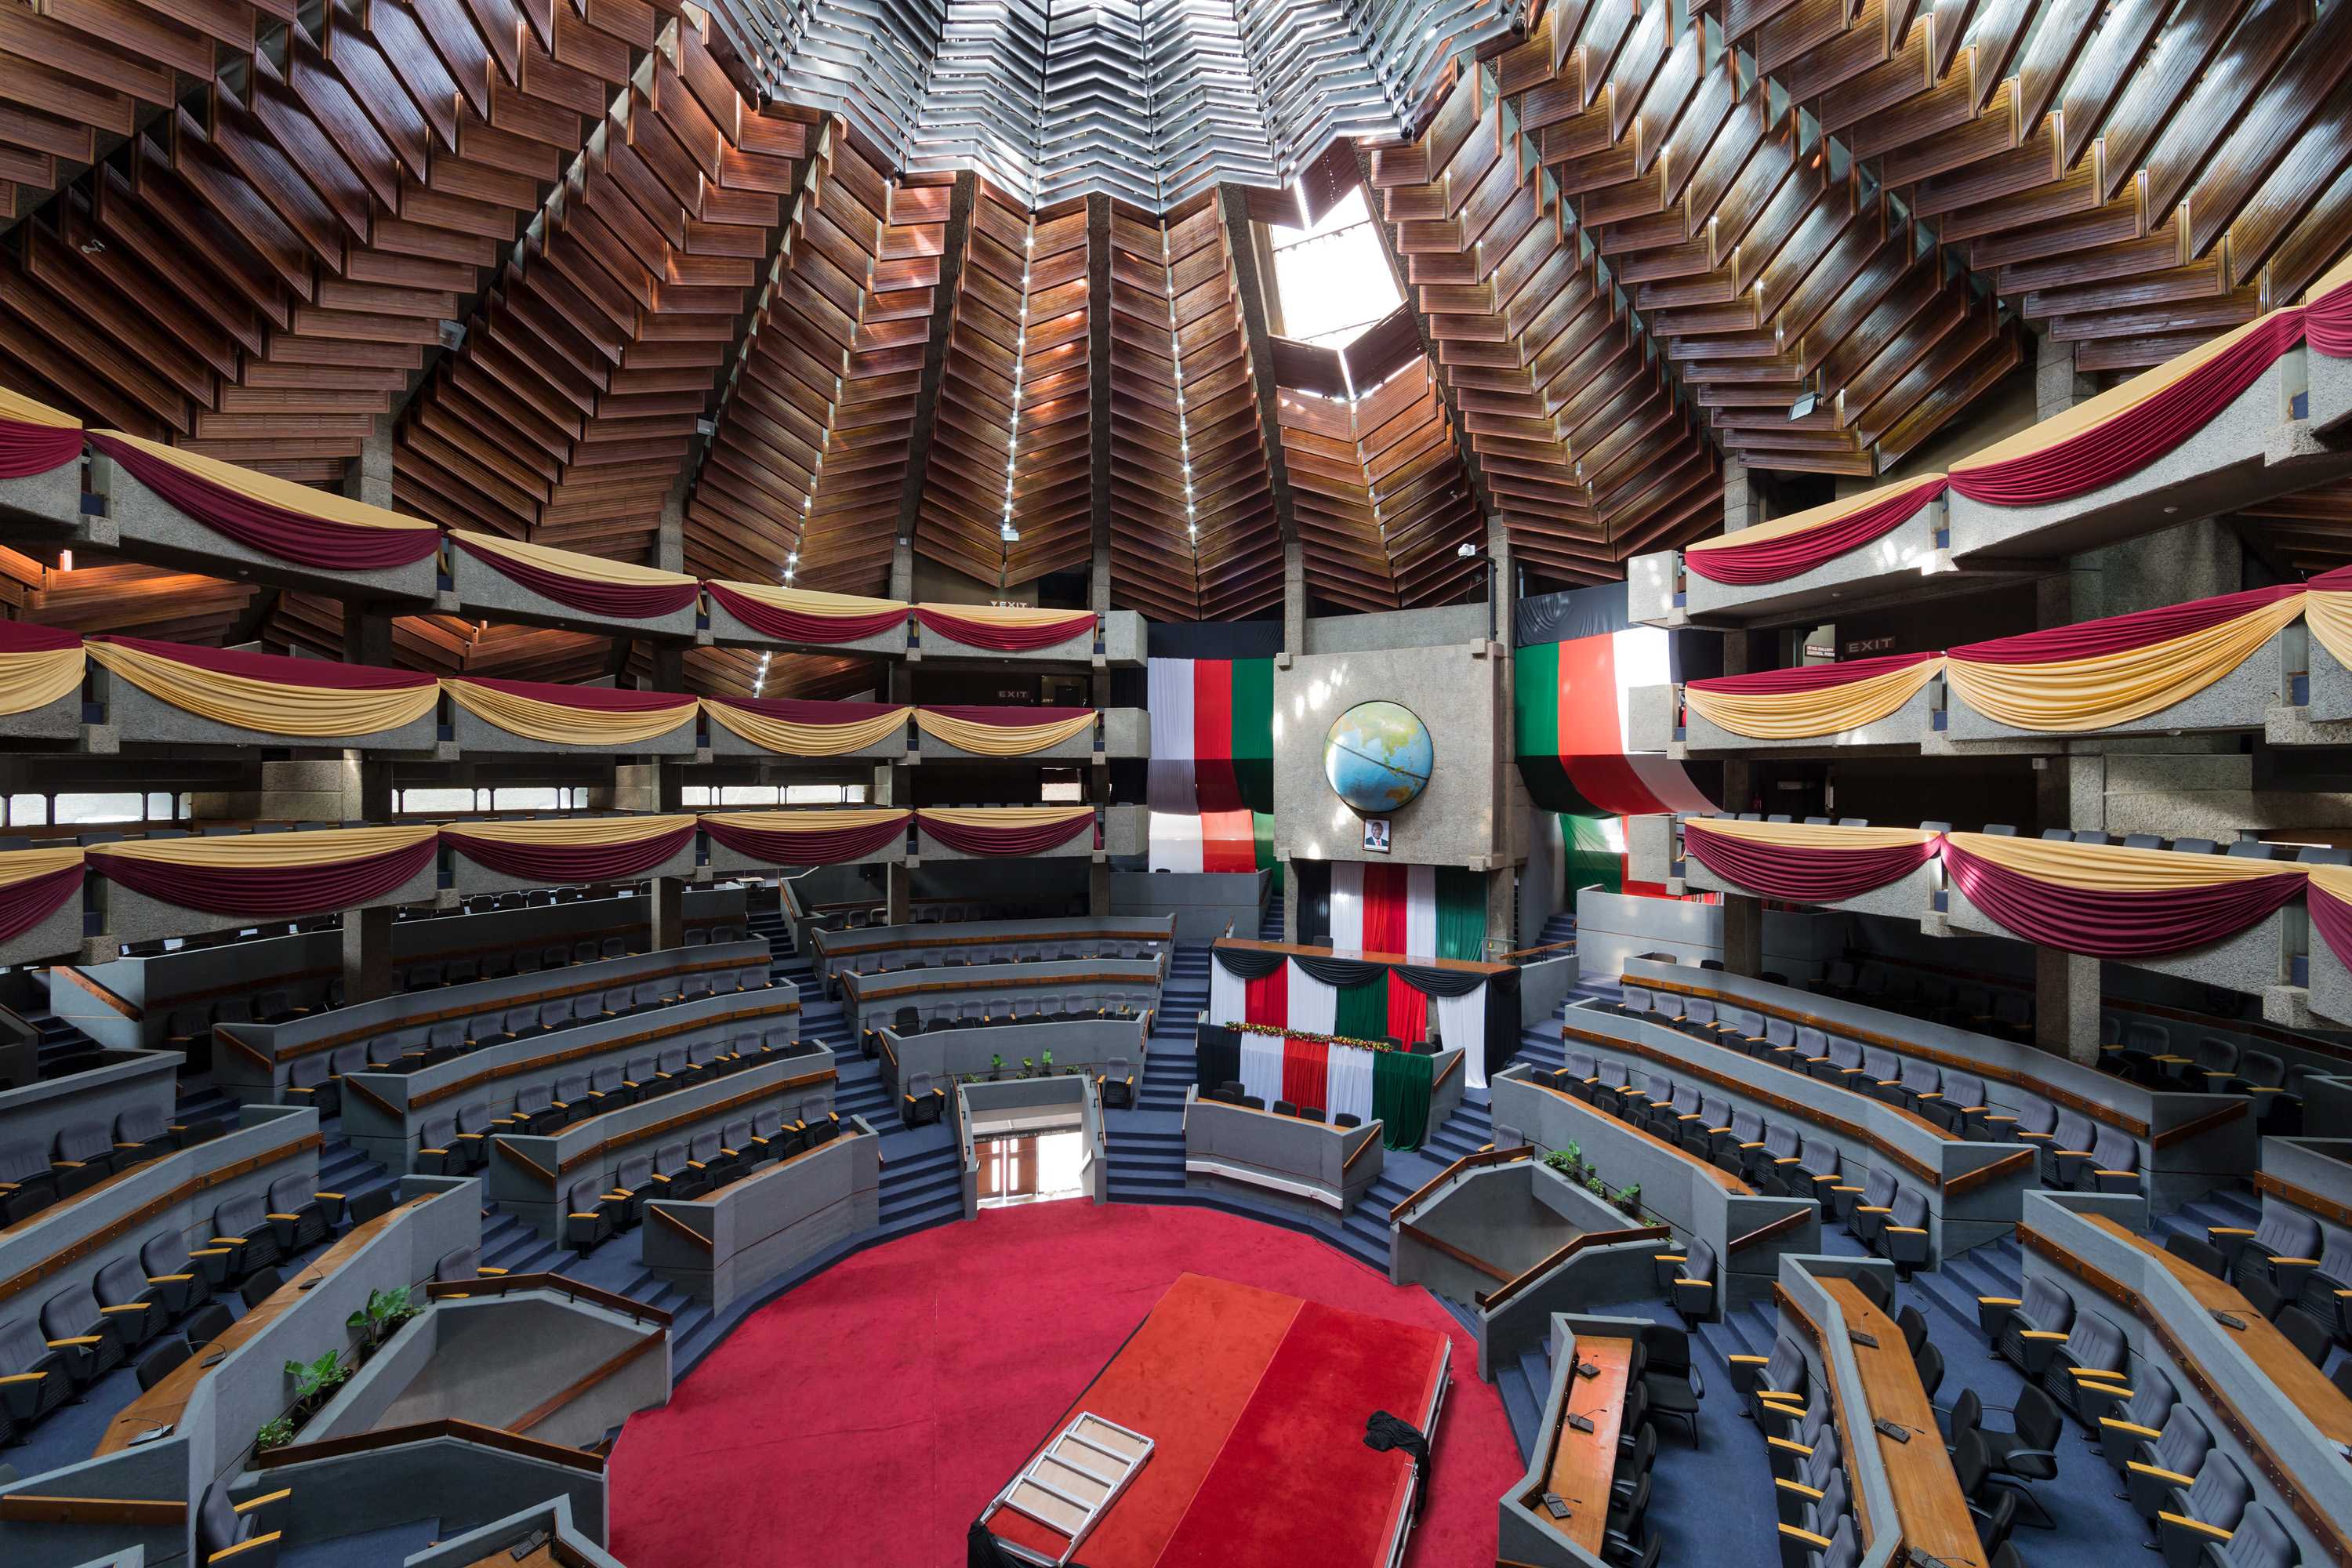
{"x":1313,"y":1166}
{"x":721,"y":1247}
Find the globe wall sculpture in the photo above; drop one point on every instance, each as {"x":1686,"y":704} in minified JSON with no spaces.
{"x":1378,"y":756}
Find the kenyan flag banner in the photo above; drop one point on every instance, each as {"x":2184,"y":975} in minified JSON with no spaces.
{"x":1213,"y":841}
{"x":1211,"y":734}
{"x":1570,"y":701}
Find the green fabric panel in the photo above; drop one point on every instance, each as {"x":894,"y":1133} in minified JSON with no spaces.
{"x":1252,"y":737}
{"x":1362,"y":1013}
{"x":1535,"y":700}
{"x":1592,"y":860}
{"x":1401,"y":1084}
{"x":1461,"y":913}
{"x":1262,"y":828}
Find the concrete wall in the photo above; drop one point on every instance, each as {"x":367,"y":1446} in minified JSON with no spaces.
{"x":955,"y":1053}
{"x":121,"y":1082}
{"x":469,"y":877}
{"x":753,"y":1230}
{"x":1435,"y":626}
{"x":1457,"y":691}
{"x":1201,"y":903}
{"x":1611,"y":927}
{"x":980,"y":942}
{"x":1279,"y":1159}
{"x":2253,"y":960}
{"x":127,"y":916}
{"x":552,"y":1518}
{"x":871,"y":1001}
{"x":726,"y":630}
{"x":134,"y":715}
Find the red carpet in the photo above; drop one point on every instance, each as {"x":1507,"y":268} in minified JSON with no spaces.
{"x":865,"y":1418}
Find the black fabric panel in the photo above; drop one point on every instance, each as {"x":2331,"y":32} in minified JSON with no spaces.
{"x":1248,"y":962}
{"x":1312,"y":893}
{"x":1212,"y":639}
{"x":1218,"y":1051}
{"x":1342,"y":973}
{"x":1565,"y":617}
{"x":1502,"y":1042}
{"x":1439,"y":982}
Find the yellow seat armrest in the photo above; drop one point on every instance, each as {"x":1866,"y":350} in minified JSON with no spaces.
{"x":209,"y":1252}
{"x":2098,"y":1372}
{"x":1695,"y":1284}
{"x":1669,"y":1258}
{"x":2039,"y":1334}
{"x":337,"y":1196}
{"x":1906,"y":1230}
{"x":2134,"y":1427}
{"x":577,"y":1215}
{"x":1789,"y":1445}
{"x":285,"y":1216}
{"x":2173,"y":1475}
{"x":1875,"y":1208}
{"x":265,"y":1500}
{"x":1798,"y":1487}
{"x":2306,"y":1262}
{"x":167,"y":1278}
{"x":126,"y":1307}
{"x":1818,"y":1542}
{"x":23,"y":1377}
{"x":2211,"y":1531}
{"x":78,"y":1340}
{"x":228,"y":1551}
{"x":2000,"y":1301}
{"x":1747,"y":1359}
{"x":493,"y":1273}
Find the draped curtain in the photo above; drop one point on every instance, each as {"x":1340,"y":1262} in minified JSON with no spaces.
{"x":2328,"y":311}
{"x":1461,"y":915}
{"x":805,"y":615}
{"x":34,"y":884}
{"x":270,"y":693}
{"x":1806,"y":863}
{"x":1314,"y":1001}
{"x":1306,"y":1066}
{"x":269,"y":515}
{"x":1401,"y":1087}
{"x":1363,"y":1010}
{"x":1170,"y":777}
{"x":2331,"y":908}
{"x":1216,"y":1056}
{"x":1789,"y":546}
{"x":1228,"y":996}
{"x":2327,"y":611}
{"x":274,"y":875}
{"x":1005,"y":829}
{"x":1261,"y":1070}
{"x":593,"y":716}
{"x":1462,"y":1026}
{"x":39,"y":665}
{"x":1003,"y":628}
{"x":2104,"y":901}
{"x":1267,"y":999}
{"x":1814,"y":700}
{"x":35,"y":438}
{"x":589,"y":584}
{"x":573,"y":848}
{"x":1408,"y":1010}
{"x":797,"y":729}
{"x":1004,"y":732}
{"x":1348,"y":1083}
{"x":810,"y":838}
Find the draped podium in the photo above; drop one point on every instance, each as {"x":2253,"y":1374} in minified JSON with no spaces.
{"x":1790,"y":546}
{"x":275,"y":876}
{"x":39,"y":665}
{"x":594,"y":586}
{"x":35,"y":438}
{"x":1806,"y":863}
{"x":1267,"y":985}
{"x":573,"y":848}
{"x":1338,"y":1076}
{"x":269,"y":515}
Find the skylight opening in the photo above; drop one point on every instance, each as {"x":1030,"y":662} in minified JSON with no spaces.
{"x":1333,"y":280}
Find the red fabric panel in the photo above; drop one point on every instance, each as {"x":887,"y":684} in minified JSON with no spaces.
{"x":1305,"y":1069}
{"x":1004,"y":840}
{"x":29,"y":902}
{"x":272,"y":531}
{"x":1588,"y":718}
{"x":2331,"y":917}
{"x":795,"y":626}
{"x":21,"y":637}
{"x":1004,"y":639}
{"x":1408,"y":1011}
{"x":272,"y":892}
{"x":2115,"y":925}
{"x":2133,"y":440}
{"x":1212,"y":735}
{"x":1774,"y":560}
{"x":621,"y":601}
{"x":1809,"y":678}
{"x":573,"y":862}
{"x":26,"y":448}
{"x":1803,"y":876}
{"x":2121,"y":634}
{"x":1228,"y":841}
{"x":1384,"y":902}
{"x":1267,"y":999}
{"x":602,"y":699}
{"x":819,"y":847}
{"x":2327,"y":322}
{"x":278,"y":669}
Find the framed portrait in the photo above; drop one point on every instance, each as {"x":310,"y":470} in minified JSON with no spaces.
{"x":1376,"y":835}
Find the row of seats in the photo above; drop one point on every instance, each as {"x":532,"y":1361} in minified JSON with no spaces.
{"x":934,"y":912}
{"x":88,"y":1330}
{"x":692,"y":1168}
{"x":1019,"y":1010}
{"x":1781,"y":1158}
{"x":457,"y":1142}
{"x":34,"y":1174}
{"x":315,"y":1079}
{"x":2074,"y":1152}
{"x":1025,"y":950}
{"x":1230,"y":1092}
{"x":428,"y":973}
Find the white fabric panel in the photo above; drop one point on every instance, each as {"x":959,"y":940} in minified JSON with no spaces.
{"x":1462,"y":1023}
{"x":1348,"y":905}
{"x":1348,"y":1083}
{"x":1175,"y":842}
{"x":1172,"y":787}
{"x":1261,"y":1066}
{"x":1228,"y":994}
{"x":1641,"y":656}
{"x":1421,"y":912}
{"x":1314,"y":1006}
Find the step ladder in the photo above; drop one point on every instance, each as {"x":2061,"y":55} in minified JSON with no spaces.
{"x":1075,"y":1478}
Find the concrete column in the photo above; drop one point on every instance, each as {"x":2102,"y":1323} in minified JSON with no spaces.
{"x":1502,"y":931}
{"x":1099,"y":887}
{"x":1743,"y":934}
{"x":2057,"y":385}
{"x":374,"y":787}
{"x":1738,"y":776}
{"x":882,"y":791}
{"x":1293,"y":598}
{"x":367,"y":635}
{"x":649,"y":786}
{"x":668,"y":913}
{"x":669,"y":545}
{"x":369,"y":479}
{"x":367,"y":953}
{"x":668,"y":667}
{"x":1742,"y":507}
{"x":1098,"y":583}
{"x":1503,"y":584}
{"x":902,"y":570}
{"x":329,"y":789}
{"x":2066,"y":1005}
{"x":1289,"y":900}
{"x":898,"y":892}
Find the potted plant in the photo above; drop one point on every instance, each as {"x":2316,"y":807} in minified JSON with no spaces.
{"x":1028,"y":1066}
{"x":1575,"y":1153}
{"x":315,"y":1383}
{"x":1593,"y":1185}
{"x":380,"y":1318}
{"x":1630,"y":1200}
{"x":1047,"y":1058}
{"x":995,"y":1067}
{"x":275,"y":1433}
{"x":1561,"y":1161}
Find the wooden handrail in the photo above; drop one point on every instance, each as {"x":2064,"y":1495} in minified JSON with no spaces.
{"x":828,"y":949}
{"x":1767,"y":1231}
{"x":1439,"y":1243}
{"x":1590,"y":1238}
{"x":426,"y":1431}
{"x":684,"y":1229}
{"x":1489,"y":1156}
{"x":105,"y":997}
{"x":1377,"y":1131}
{"x":505,"y":1284}
{"x":1531,"y":951}
{"x":42,"y":1507}
{"x":611,"y":1367}
{"x":1449,"y":1069}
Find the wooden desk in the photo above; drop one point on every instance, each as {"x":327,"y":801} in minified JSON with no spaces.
{"x":1929,"y":1508}
{"x":163,"y":1404}
{"x":2273,"y":1355}
{"x":1584,"y":1464}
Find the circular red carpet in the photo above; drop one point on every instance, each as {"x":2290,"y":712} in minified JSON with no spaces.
{"x":863,"y":1419}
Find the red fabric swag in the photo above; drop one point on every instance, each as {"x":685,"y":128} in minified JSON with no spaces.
{"x":621,"y":601}
{"x":2327,"y":322}
{"x":2332,"y":918}
{"x":278,"y":669}
{"x":2138,"y":436}
{"x":27,"y":903}
{"x":2115,"y":925}
{"x":22,"y":637}
{"x":604,"y":699}
{"x":2120,"y":634}
{"x":272,"y":531}
{"x":1809,"y":678}
{"x":1267,"y":999}
{"x":1305,"y":1069}
{"x":572,"y":862}
{"x":1775,"y":560}
{"x":793,"y":625}
{"x":26,"y":448}
{"x":1036,"y":840}
{"x":813,"y":846}
{"x":270,"y":892}
{"x":1408,"y":1010}
{"x":1004,"y":639}
{"x":1803,"y":876}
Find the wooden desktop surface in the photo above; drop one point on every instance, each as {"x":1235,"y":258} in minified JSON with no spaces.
{"x":1584,"y":1464}
{"x":1929,"y":1508}
{"x":1465,"y":965}
{"x":2273,"y":1354}
{"x":163,"y":1404}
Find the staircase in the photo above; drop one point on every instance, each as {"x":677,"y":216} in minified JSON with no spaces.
{"x":59,"y":1038}
{"x":1269,"y":921}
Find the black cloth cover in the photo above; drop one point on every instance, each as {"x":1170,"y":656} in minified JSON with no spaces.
{"x":1383,"y":1431}
{"x":1218,"y":1051}
{"x":1344,"y":972}
{"x":1246,"y":962}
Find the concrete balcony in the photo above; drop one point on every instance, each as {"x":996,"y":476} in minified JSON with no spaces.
{"x":1122,"y":644}
{"x":477,"y":736}
{"x":727,"y":631}
{"x":477,"y":591}
{"x":718,"y":741}
{"x":720,"y":861}
{"x":1125,"y":831}
{"x":123,"y":714}
{"x":1124,"y":732}
{"x":1660,"y":591}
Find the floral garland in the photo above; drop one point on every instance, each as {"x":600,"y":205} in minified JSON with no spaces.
{"x":1277,"y":1030}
